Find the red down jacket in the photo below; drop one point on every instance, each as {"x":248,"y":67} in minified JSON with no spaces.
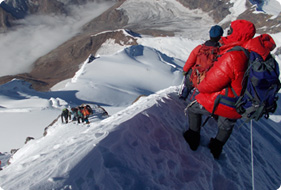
{"x":227,"y":71}
{"x":190,"y":62}
{"x":262,"y":45}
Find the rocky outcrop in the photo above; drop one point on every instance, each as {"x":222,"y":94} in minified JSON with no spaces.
{"x":264,"y":23}
{"x":5,"y":20}
{"x":46,"y":7}
{"x":63,"y":62}
{"x":218,"y":10}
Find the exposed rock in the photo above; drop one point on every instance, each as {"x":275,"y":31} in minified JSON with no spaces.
{"x":36,"y":83}
{"x":5,"y":20}
{"x":218,"y":10}
{"x":278,"y":51}
{"x":264,"y":23}
{"x":13,"y":151}
{"x":110,"y":20}
{"x":46,"y":7}
{"x":51,"y":124}
{"x":137,"y":99}
{"x":63,"y":62}
{"x":28,"y":139}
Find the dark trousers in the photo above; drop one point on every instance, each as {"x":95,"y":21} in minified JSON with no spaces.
{"x":65,"y":116}
{"x":80,"y":119}
{"x":225,"y":125}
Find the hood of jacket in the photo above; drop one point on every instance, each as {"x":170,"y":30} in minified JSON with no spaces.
{"x":242,"y":30}
{"x":262,"y":45}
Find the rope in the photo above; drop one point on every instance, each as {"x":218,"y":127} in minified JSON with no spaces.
{"x":252,"y":156}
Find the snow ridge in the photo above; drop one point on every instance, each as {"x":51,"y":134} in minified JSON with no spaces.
{"x":142,"y":147}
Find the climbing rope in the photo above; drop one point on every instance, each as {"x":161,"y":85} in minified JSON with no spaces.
{"x":252,"y":155}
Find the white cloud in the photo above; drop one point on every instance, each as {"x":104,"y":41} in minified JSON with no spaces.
{"x":37,"y":35}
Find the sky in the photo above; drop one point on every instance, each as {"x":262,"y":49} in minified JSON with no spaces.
{"x":138,"y":146}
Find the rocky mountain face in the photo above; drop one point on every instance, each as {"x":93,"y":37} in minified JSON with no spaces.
{"x":5,"y":20}
{"x":218,"y":10}
{"x":62,"y":62}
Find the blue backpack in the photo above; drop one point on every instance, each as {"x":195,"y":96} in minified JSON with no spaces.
{"x":260,"y":87}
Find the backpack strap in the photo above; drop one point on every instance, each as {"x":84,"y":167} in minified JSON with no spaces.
{"x":240,"y":48}
{"x":224,"y":99}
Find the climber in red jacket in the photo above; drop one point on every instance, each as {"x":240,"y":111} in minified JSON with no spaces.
{"x":227,"y":71}
{"x":200,"y":60}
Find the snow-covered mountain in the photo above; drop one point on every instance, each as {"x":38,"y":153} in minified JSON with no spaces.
{"x":138,"y":145}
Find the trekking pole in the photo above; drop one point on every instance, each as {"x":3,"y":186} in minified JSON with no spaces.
{"x":181,"y":86}
{"x":252,"y":155}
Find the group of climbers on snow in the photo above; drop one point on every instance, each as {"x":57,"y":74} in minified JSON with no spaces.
{"x":220,"y":75}
{"x":80,"y":114}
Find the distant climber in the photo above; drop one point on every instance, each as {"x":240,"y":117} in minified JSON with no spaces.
{"x":88,"y":107}
{"x":91,"y":58}
{"x":86,"y":114}
{"x":200,"y":61}
{"x":65,"y":115}
{"x":74,"y":113}
{"x":77,"y":114}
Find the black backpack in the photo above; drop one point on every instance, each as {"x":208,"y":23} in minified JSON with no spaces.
{"x":89,"y":109}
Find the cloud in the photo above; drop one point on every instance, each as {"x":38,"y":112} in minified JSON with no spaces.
{"x":38,"y":34}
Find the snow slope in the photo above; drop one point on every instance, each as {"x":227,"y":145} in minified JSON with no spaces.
{"x":141,"y":147}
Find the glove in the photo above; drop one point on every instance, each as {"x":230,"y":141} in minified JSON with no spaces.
{"x":215,"y":147}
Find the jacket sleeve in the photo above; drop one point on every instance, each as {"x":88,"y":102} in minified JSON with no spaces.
{"x":190,"y":62}
{"x":219,"y":76}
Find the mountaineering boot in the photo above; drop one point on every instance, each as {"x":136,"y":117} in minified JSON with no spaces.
{"x":215,"y":147}
{"x":192,"y":138}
